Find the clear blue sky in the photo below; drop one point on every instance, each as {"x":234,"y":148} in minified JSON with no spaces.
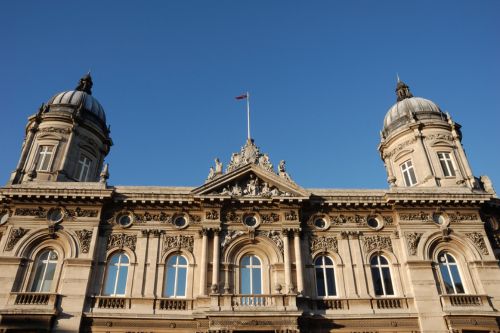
{"x":321,"y":75}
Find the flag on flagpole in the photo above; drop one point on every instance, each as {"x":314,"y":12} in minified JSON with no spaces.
{"x":244,"y":96}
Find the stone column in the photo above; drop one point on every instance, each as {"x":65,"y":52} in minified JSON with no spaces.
{"x":203,"y":265}
{"x":152,"y":262}
{"x":288,"y":270}
{"x":298,"y":261}
{"x":215,"y":263}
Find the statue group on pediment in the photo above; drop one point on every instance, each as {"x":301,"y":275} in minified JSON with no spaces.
{"x":252,"y":187}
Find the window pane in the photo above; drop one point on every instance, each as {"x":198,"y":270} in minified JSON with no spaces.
{"x":328,"y":261}
{"x":444,"y":167}
{"x":456,"y":278}
{"x":330,"y":279}
{"x":256,"y":281}
{"x":383,"y":261}
{"x":124,"y":258}
{"x":407,"y":178}
{"x":114,"y":259}
{"x":374,"y":261}
{"x":320,"y":282}
{"x":450,"y":258}
{"x":377,"y":282}
{"x":122,"y":280}
{"x":109,"y":285}
{"x":181,"y":281}
{"x":245,"y":281}
{"x":387,"y":281}
{"x":446,"y":279}
{"x":245,"y":261}
{"x":412,"y":176}
{"x":37,"y":279}
{"x":182,"y":261}
{"x":49,"y":276}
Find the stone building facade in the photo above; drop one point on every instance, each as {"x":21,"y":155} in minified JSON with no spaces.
{"x":249,"y":250}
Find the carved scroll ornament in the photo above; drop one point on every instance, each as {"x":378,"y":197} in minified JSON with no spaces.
{"x":14,"y":237}
{"x":84,"y":237}
{"x":478,"y":241}
{"x":178,"y":242}
{"x":377,"y":243}
{"x":412,"y":240}
{"x":121,"y":241}
{"x":324,"y":244}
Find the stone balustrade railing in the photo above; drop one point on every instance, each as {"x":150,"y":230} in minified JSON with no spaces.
{"x":465,"y":302}
{"x":32,"y":299}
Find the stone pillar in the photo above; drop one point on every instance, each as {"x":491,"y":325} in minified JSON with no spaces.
{"x":298,"y":261}
{"x":345,"y":252}
{"x":152,"y":261}
{"x":288,"y":270}
{"x":203,"y":265}
{"x":359,"y":264}
{"x":215,"y":263}
{"x":429,"y":172}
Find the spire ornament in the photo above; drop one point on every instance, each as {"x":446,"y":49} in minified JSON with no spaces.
{"x":85,"y":84}
{"x":402,"y":90}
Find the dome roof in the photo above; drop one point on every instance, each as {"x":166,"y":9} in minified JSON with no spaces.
{"x":408,"y":108}
{"x":76,"y":98}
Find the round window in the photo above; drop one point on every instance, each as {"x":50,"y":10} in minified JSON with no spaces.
{"x":125,"y":220}
{"x":320,"y":223}
{"x":439,"y":219}
{"x":373,"y":223}
{"x":250,"y":221}
{"x":3,"y":218}
{"x":180,"y":221}
{"x":55,"y":215}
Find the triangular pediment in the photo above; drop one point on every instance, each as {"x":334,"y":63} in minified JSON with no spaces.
{"x":251,"y":181}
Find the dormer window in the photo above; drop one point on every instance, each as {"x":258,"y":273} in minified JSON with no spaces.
{"x":83,"y":168}
{"x":446,"y":164}
{"x":408,"y":173}
{"x":44,"y":158}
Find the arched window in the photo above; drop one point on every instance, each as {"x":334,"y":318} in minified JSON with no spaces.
{"x":325,"y":277}
{"x":176,"y":277}
{"x":250,"y":275}
{"x":116,"y":275}
{"x":450,"y":274}
{"x":45,"y":267}
{"x":381,"y":274}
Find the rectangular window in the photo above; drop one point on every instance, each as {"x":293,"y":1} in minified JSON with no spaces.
{"x":44,"y":158}
{"x":446,"y":164}
{"x":408,"y":173}
{"x":83,"y":168}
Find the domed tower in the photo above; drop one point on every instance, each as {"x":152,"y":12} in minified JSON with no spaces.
{"x":66,"y":140}
{"x":421,"y":146}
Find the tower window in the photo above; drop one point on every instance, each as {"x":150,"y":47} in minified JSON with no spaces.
{"x":83,"y":168}
{"x":446,"y":164}
{"x":44,"y":158}
{"x":408,"y":173}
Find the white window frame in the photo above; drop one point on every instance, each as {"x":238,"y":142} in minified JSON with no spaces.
{"x":119,"y":264}
{"x":408,"y":171}
{"x":324,"y":267}
{"x":176,"y":266}
{"x":379,"y":266}
{"x":43,"y":277}
{"x":83,"y":168}
{"x":251,"y":267}
{"x":448,"y":265}
{"x":41,"y":156}
{"x":447,"y":164}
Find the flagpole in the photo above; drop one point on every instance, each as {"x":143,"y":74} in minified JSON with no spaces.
{"x":248,"y":116}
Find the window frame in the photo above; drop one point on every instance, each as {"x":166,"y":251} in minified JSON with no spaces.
{"x":324,"y":267}
{"x":379,"y":266}
{"x":447,"y":164}
{"x":106,"y":275}
{"x":447,"y":264}
{"x":176,"y":266}
{"x":33,"y":271}
{"x":81,"y":166}
{"x":38,"y":156}
{"x":408,"y":171}
{"x":251,"y":267}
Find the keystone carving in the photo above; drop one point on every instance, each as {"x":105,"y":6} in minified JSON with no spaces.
{"x":478,"y":241}
{"x":412,"y":240}
{"x":377,"y":243}
{"x":84,"y":237}
{"x":14,"y":237}
{"x":178,"y":242}
{"x":324,"y":244}
{"x":121,"y":241}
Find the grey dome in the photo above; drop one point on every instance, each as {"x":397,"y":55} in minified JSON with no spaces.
{"x":75,"y":98}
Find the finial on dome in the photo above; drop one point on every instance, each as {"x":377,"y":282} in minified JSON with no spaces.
{"x":402,"y":90}
{"x":85,"y":84}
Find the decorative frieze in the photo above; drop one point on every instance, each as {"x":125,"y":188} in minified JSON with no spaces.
{"x":478,"y":240}
{"x":420,"y":216}
{"x":400,"y":147}
{"x":231,"y":216}
{"x":178,"y":242}
{"x":439,"y":136}
{"x":270,"y":218}
{"x":291,"y":216}
{"x":84,"y":237}
{"x":55,"y":130}
{"x":38,"y":212}
{"x":212,"y":215}
{"x":352,"y":219}
{"x":389,"y":220}
{"x":121,"y":241}
{"x":68,"y":212}
{"x":324,"y":244}
{"x":377,"y":242}
{"x":195,"y":218}
{"x":79,"y":212}
{"x":14,"y":236}
{"x":251,"y":187}
{"x":161,"y":217}
{"x":459,"y":217}
{"x":412,"y":240}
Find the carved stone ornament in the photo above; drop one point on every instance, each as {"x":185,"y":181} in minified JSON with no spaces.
{"x":38,"y":212}
{"x":478,"y":240}
{"x":231,"y":216}
{"x":121,"y":241}
{"x":459,"y":217}
{"x":229,"y":236}
{"x":249,"y":154}
{"x":275,"y":236}
{"x":400,"y":147}
{"x":269,"y":218}
{"x":251,"y":187}
{"x":212,"y":215}
{"x":421,"y":216}
{"x":55,"y":130}
{"x":377,"y":243}
{"x":412,"y":240}
{"x":84,"y":237}
{"x":439,"y":136}
{"x":195,"y":218}
{"x":291,"y":216}
{"x":79,"y":212}
{"x":153,"y":217}
{"x":343,"y":219}
{"x":178,"y":242}
{"x":324,"y":244}
{"x":14,"y":237}
{"x":388,"y":220}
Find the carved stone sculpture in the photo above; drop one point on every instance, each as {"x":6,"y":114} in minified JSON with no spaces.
{"x":412,"y":240}
{"x":377,"y":243}
{"x":178,"y":242}
{"x":229,"y":236}
{"x":324,"y":244}
{"x":14,"y":237}
{"x":84,"y":237}
{"x":121,"y":241}
{"x":478,"y":241}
